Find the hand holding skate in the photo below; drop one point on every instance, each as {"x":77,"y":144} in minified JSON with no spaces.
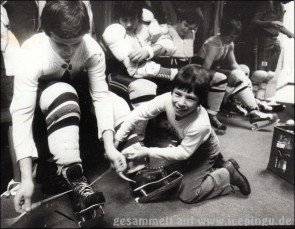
{"x":117,"y":160}
{"x":135,"y":151}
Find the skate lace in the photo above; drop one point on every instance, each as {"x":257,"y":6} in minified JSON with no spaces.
{"x":149,"y":167}
{"x":82,"y":188}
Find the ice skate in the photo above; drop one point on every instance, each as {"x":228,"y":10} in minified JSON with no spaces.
{"x":153,"y":183}
{"x":87,"y":203}
{"x":265,"y":106}
{"x":238,"y":109}
{"x":219,"y":127}
{"x":259,"y":119}
{"x":51,"y":182}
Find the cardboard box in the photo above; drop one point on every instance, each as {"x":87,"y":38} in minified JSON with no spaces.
{"x":281,"y":160}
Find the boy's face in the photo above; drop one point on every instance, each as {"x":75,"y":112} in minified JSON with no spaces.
{"x":65,"y":48}
{"x":184,"y":27}
{"x":183,"y":102}
{"x":230,"y":38}
{"x":129,"y":23}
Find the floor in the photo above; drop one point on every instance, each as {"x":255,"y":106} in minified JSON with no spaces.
{"x":270,"y":203}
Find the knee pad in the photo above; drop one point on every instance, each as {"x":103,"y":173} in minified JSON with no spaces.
{"x":270,"y":75}
{"x":245,"y":69}
{"x":238,"y":80}
{"x":219,"y":81}
{"x":260,"y":76}
{"x":60,"y":105}
{"x":141,"y":90}
{"x":114,"y":37}
{"x":238,"y":75}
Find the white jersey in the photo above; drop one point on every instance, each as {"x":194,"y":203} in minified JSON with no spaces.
{"x":193,"y":130}
{"x":41,"y":63}
{"x":184,"y":47}
{"x":215,"y":43}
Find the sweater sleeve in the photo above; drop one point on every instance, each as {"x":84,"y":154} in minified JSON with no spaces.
{"x":23,"y":106}
{"x":99,"y":89}
{"x":190,"y":143}
{"x":145,"y":111}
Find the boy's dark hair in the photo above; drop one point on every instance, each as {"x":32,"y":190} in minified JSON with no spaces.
{"x":66,"y":19}
{"x":190,"y":15}
{"x":127,"y":9}
{"x":230,"y":26}
{"x":193,"y":78}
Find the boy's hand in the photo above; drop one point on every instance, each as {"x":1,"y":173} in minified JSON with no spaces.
{"x":22,"y":199}
{"x":136,"y":151}
{"x":117,"y":160}
{"x":139,"y":55}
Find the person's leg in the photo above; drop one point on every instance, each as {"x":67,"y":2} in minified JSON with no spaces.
{"x":202,"y":181}
{"x":242,"y":91}
{"x":134,"y":91}
{"x":268,"y":56}
{"x":209,"y":176}
{"x":140,"y":91}
{"x":215,"y":96}
{"x":59,"y":104}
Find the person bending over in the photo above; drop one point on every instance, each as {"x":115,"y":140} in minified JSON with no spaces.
{"x":51,"y":61}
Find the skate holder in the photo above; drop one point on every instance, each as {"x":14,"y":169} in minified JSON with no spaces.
{"x":91,"y":216}
{"x":169,"y":181}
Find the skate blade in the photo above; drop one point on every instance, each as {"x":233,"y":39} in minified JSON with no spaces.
{"x":158,"y":181}
{"x":149,"y":196}
{"x":90,"y":216}
{"x":260,"y":125}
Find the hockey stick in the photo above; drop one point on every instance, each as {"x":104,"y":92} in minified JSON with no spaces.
{"x":8,"y":222}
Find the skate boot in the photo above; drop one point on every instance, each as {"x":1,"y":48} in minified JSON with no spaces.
{"x":269,"y":106}
{"x":234,"y":108}
{"x":51,"y":182}
{"x":153,"y":183}
{"x":86,"y":202}
{"x":217,"y":125}
{"x":259,"y":119}
{"x":239,"y":109}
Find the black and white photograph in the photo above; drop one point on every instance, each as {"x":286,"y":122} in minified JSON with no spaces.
{"x":139,"y":114}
